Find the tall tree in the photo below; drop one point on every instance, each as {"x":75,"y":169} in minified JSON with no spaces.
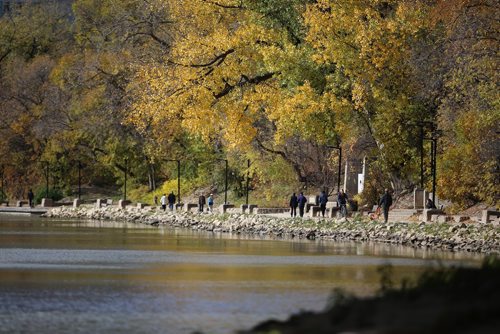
{"x":240,"y":76}
{"x":469,"y":112}
{"x":31,"y":38}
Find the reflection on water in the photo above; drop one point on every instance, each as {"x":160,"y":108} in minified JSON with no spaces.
{"x":63,"y":276}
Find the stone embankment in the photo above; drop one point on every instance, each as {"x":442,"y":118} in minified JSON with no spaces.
{"x":483,"y":238}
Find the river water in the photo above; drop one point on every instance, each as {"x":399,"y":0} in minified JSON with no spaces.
{"x":103,"y":277}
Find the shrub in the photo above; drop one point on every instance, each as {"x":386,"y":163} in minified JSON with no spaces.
{"x":55,"y":194}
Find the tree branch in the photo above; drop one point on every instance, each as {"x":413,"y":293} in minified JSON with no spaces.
{"x":240,"y":6}
{"x":217,"y":60}
{"x":282,"y":154}
{"x":243,"y":80}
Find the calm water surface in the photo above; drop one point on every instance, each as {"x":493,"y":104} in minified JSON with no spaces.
{"x":104,"y":277}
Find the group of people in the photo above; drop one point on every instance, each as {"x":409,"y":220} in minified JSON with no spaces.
{"x":297,"y":201}
{"x":170,"y":200}
{"x":164,"y":200}
{"x":321,"y":200}
{"x":202,"y":201}
{"x":300,"y":201}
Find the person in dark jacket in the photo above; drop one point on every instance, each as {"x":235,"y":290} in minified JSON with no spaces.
{"x":342,"y":199}
{"x":385,"y":203}
{"x":201,"y":202}
{"x":302,"y":203}
{"x":31,"y":196}
{"x":293,"y":205}
{"x":323,"y":199}
{"x":171,"y":201}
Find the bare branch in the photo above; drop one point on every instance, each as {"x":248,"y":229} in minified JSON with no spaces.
{"x":282,"y":154}
{"x":244,"y":80}
{"x":240,"y":6}
{"x":216,"y":61}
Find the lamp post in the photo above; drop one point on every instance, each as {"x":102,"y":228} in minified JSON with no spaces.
{"x":79,"y":179}
{"x":47,"y":166}
{"x":178,"y":178}
{"x":225,"y":184}
{"x":125,"y":183}
{"x":1,"y":177}
{"x":340,"y":164}
{"x":433,"y":165}
{"x":248,"y":180}
{"x":421,"y":156}
{"x":422,"y":125}
{"x":434,"y":139}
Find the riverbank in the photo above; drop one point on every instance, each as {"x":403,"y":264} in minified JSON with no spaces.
{"x":481,"y":238}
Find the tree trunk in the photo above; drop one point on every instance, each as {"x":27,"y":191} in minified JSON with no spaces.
{"x":151,"y":177}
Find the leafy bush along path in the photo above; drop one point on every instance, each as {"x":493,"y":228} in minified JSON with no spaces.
{"x":463,"y":300}
{"x":469,"y":237}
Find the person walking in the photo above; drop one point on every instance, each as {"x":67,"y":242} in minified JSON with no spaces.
{"x":163,"y":202}
{"x":171,"y":201}
{"x":155,"y":199}
{"x":302,"y":203}
{"x":201,"y":202}
{"x":293,"y":205}
{"x":323,"y":199}
{"x":31,"y":196}
{"x":342,"y":199}
{"x":211,"y":203}
{"x":385,"y":203}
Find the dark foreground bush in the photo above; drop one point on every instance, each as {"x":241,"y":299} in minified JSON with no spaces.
{"x":456,"y":300}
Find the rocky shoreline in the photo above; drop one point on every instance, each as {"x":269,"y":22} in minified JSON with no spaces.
{"x":482,"y":238}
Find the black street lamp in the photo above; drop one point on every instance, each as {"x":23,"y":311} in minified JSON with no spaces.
{"x":340,"y":164}
{"x":1,"y":177}
{"x":79,"y":179}
{"x":421,"y":156}
{"x":434,"y":167}
{"x":125,"y":183}
{"x":225,"y":184}
{"x":433,"y":140}
{"x":178,"y":178}
{"x":248,"y":180}
{"x":422,"y":125}
{"x":47,"y":166}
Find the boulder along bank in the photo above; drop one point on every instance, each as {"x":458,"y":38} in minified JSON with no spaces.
{"x":483,"y":238}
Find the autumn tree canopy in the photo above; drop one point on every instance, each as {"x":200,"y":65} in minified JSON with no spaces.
{"x":278,"y":82}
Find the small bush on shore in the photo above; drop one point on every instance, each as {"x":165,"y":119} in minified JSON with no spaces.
{"x":54,"y":193}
